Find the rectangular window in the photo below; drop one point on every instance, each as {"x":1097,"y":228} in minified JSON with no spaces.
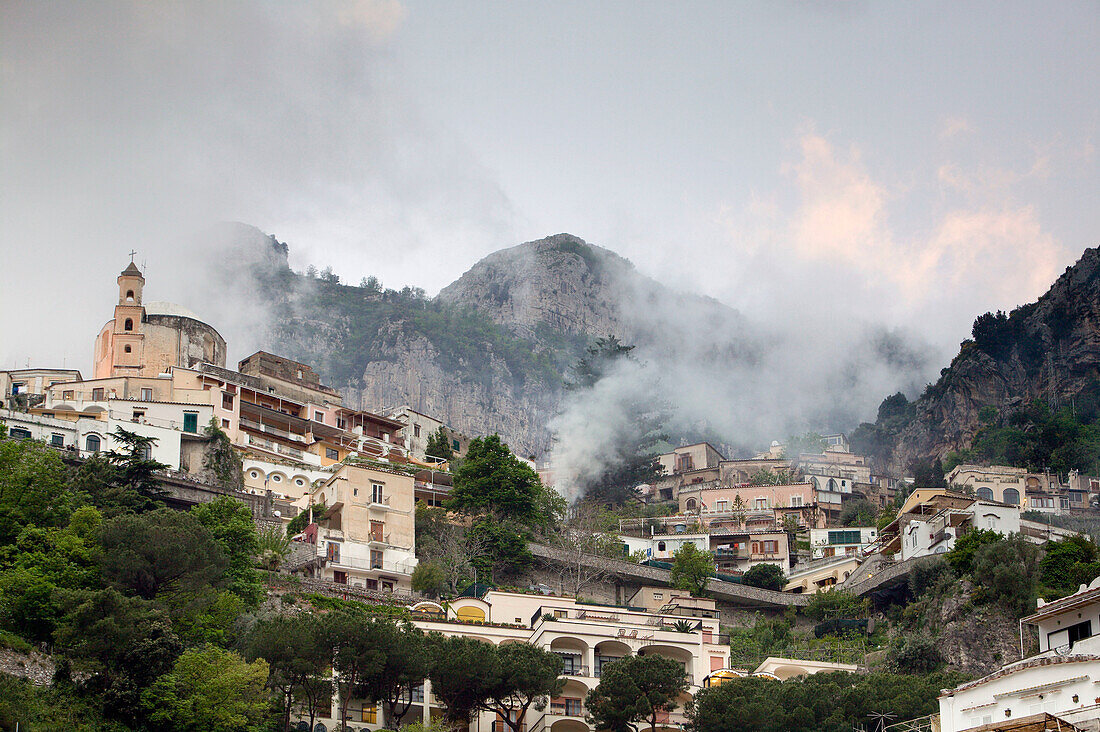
{"x":372,"y":584}
{"x":332,"y":454}
{"x":658,"y":595}
{"x":561,"y":613}
{"x":796,"y":501}
{"x":227,"y":401}
{"x":57,"y":440}
{"x":376,"y":492}
{"x":67,"y":395}
{"x":844,"y":537}
{"x":416,"y":430}
{"x":318,"y":416}
{"x":722,"y":505}
{"x":146,"y":395}
{"x":761,"y":503}
{"x":376,"y":529}
{"x":139,"y":414}
{"x":332,"y":551}
{"x":375,"y":559}
{"x":370,"y":714}
{"x":190,"y":421}
{"x":97,"y":395}
{"x":341,"y":423}
{"x":225,"y":424}
{"x":17,"y":387}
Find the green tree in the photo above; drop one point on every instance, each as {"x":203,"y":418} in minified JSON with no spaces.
{"x":122,"y":643}
{"x":160,"y":551}
{"x":493,"y":482}
{"x":765,"y":576}
{"x":691,"y":568}
{"x":230,"y":523}
{"x":827,"y":702}
{"x":460,"y":672}
{"x":297,"y":651}
{"x":961,"y":556}
{"x":221,"y":460}
{"x":135,"y":468}
{"x":502,"y":548}
{"x":430,"y":579}
{"x":1007,"y":573}
{"x":356,"y":658}
{"x":1068,"y":564}
{"x":859,"y":513}
{"x":32,"y":488}
{"x":526,"y":676}
{"x":210,"y":689}
{"x":439,"y":445}
{"x":406,"y":661}
{"x":635,"y":689}
{"x":836,"y":604}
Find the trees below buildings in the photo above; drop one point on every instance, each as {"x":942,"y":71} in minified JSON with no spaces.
{"x":636,"y":689}
{"x":691,"y":569}
{"x":439,"y":445}
{"x":824,"y":702}
{"x":765,"y":576}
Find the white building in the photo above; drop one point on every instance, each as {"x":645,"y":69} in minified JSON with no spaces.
{"x":1058,"y":685}
{"x":586,"y":637}
{"x":842,"y":541}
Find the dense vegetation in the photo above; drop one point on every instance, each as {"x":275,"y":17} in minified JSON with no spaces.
{"x":366,"y":322}
{"x":138,"y":604}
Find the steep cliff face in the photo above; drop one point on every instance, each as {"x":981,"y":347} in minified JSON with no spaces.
{"x":1047,"y":350}
{"x":489,"y":354}
{"x":560,"y":283}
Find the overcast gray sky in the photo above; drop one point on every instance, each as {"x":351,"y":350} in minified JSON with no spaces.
{"x":910,"y":163}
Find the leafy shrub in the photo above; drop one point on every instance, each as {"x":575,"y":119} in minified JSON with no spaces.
{"x":765,"y":576}
{"x":914,"y":654}
{"x":932,"y":575}
{"x":834,"y":604}
{"x":1007,"y":573}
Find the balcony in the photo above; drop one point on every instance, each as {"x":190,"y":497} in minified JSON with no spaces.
{"x":575,"y":670}
{"x":499,"y":726}
{"x":567,"y":707}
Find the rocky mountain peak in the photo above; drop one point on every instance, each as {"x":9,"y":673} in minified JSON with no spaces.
{"x":561,"y":283}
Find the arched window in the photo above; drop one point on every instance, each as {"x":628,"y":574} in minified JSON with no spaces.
{"x":92,"y":443}
{"x":986,"y":494}
{"x":1011,"y":495}
{"x":129,"y":324}
{"x":129,"y":296}
{"x":660,"y":546}
{"x":127,"y":349}
{"x":690,"y":504}
{"x":832,"y":486}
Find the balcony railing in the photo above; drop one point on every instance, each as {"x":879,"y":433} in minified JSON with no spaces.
{"x":567,"y":707}
{"x":499,"y":726}
{"x":575,"y":670}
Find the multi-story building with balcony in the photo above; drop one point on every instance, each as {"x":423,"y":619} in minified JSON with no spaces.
{"x":751,"y":506}
{"x":852,"y":540}
{"x":365,"y":536}
{"x":931,"y":519}
{"x":1054,"y":689}
{"x":586,"y":637}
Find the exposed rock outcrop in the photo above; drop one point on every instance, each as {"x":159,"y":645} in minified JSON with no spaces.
{"x":1047,"y":350}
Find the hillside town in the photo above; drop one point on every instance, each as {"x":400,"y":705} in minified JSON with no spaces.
{"x":780,"y":534}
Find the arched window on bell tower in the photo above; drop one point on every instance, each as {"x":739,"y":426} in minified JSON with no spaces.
{"x":130,"y":284}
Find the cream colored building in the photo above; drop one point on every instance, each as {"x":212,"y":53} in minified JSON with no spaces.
{"x":366,"y":535}
{"x":586,"y":637}
{"x":23,"y":388}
